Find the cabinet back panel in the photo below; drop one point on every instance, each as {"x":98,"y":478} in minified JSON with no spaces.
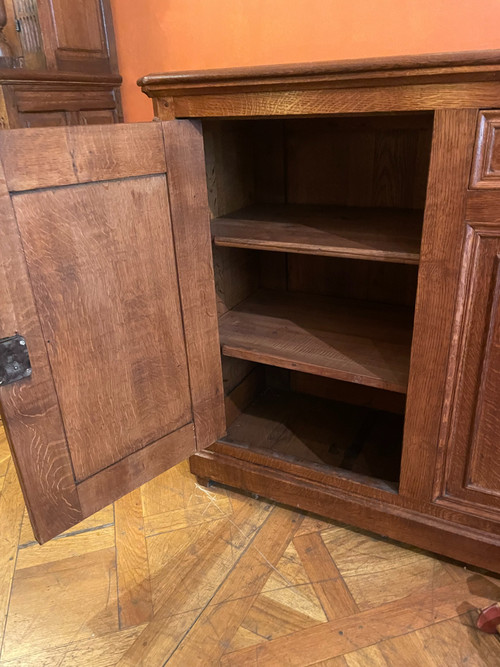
{"x":354,"y":279}
{"x":363,"y":161}
{"x":359,"y":161}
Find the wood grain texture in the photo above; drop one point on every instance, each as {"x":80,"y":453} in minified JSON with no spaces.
{"x":216,"y":626}
{"x":103,"y":651}
{"x":331,"y":438}
{"x":377,"y":282}
{"x":107,"y":298}
{"x":234,"y":573}
{"x":372,"y":234}
{"x":377,"y":160}
{"x":43,"y":98}
{"x":354,"y":341}
{"x":135,"y":469}
{"x":471,"y":470}
{"x":346,"y":482}
{"x":44,"y":158}
{"x":419,"y":526}
{"x":75,"y":542}
{"x":72,"y":101}
{"x":190,"y":220}
{"x":30,"y":409}
{"x":430,"y":65}
{"x":444,"y":642}
{"x":486,"y":165}
{"x":483,"y":206}
{"x":202,"y":563}
{"x":90,"y":577}
{"x":332,"y":592}
{"x":44,"y":119}
{"x":341,"y":636}
{"x":78,"y":37}
{"x":442,"y":240}
{"x":4,"y":452}
{"x":115,"y":334}
{"x":230,"y":165}
{"x":239,"y":398}
{"x":135,"y":604}
{"x":296,"y":102}
{"x":11,"y":516}
{"x":368,"y":160}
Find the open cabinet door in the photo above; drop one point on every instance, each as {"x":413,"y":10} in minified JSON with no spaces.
{"x":106,"y":278}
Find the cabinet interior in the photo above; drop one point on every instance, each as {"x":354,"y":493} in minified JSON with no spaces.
{"x":316,"y":227}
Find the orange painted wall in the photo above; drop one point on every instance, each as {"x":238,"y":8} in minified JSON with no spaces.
{"x":161,"y":35}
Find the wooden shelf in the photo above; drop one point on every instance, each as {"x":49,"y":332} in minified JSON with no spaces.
{"x":380,"y":234}
{"x":357,"y":341}
{"x":324,"y":434}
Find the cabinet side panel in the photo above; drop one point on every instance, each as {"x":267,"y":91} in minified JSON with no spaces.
{"x":442,"y":241}
{"x":191,"y":226}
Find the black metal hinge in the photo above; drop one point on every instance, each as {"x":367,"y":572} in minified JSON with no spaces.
{"x":14,"y":359}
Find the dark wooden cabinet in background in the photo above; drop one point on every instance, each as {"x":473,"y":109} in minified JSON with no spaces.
{"x":58,"y":65}
{"x":78,"y":35}
{"x":44,"y":99}
{"x":351,"y":287}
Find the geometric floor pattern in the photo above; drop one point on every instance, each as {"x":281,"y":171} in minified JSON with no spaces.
{"x":181,"y":575}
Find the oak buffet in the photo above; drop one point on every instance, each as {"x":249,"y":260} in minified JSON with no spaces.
{"x":327,"y":235}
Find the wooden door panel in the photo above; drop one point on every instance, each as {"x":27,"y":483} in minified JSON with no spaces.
{"x":110,"y":313}
{"x":43,"y":119}
{"x":472,"y":446}
{"x":78,"y":25}
{"x":91,"y":268}
{"x":97,"y":116}
{"x":77,"y":35}
{"x":49,"y":158}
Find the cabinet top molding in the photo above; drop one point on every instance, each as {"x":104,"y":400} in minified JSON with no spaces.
{"x":461,"y":66}
{"x":469,"y":79}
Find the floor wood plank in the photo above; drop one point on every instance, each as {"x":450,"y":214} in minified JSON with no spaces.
{"x":65,"y":601}
{"x":332,"y":639}
{"x":4,"y":452}
{"x":328,"y":583}
{"x":233,"y":580}
{"x":11,"y":516}
{"x":135,"y":602}
{"x":190,"y":582}
{"x":65,"y":547}
{"x":214,"y":629}
{"x":104,"y":651}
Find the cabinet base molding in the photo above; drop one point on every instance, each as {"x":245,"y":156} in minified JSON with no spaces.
{"x":475,"y":547}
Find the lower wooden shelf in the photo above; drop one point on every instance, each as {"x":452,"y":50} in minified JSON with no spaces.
{"x":357,"y":341}
{"x":321,"y":433}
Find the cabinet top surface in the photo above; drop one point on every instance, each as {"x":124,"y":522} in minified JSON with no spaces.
{"x":463,"y":66}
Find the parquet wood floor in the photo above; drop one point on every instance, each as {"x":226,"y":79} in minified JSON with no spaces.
{"x":180,"y":575}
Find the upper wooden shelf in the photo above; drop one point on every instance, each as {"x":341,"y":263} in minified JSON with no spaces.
{"x":381,"y":234}
{"x":357,"y":341}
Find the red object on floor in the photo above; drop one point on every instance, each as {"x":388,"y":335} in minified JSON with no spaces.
{"x":489,"y":619}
